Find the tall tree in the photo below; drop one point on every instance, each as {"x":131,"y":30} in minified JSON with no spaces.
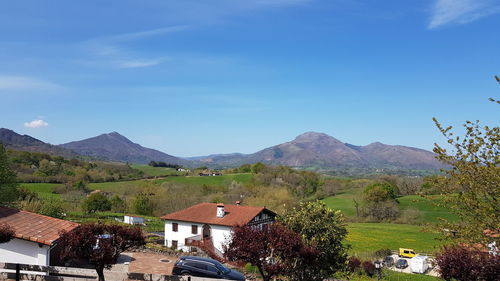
{"x":473,"y":179}
{"x":100,"y":244}
{"x":8,"y":182}
{"x":323,"y":229}
{"x":274,"y":250}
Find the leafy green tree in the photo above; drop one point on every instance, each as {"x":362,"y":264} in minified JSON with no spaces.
{"x":96,"y":202}
{"x":379,"y":192}
{"x":321,"y":228}
{"x":142,"y":205}
{"x":8,"y":183}
{"x":379,"y":202}
{"x":53,"y":208}
{"x":472,"y":184}
{"x":118,"y":205}
{"x":245,"y":168}
{"x":258,"y":167}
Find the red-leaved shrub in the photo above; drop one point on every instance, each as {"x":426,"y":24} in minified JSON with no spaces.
{"x":6,"y":233}
{"x":465,"y":263}
{"x":368,"y":267}
{"x":353,"y":264}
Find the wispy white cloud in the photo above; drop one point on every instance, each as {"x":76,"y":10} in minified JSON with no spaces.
{"x":10,"y":82}
{"x":140,"y":63}
{"x":36,"y":124}
{"x":143,"y":34}
{"x":461,"y":11}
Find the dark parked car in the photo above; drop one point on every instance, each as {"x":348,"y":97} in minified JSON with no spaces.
{"x":401,"y":264}
{"x":204,"y":267}
{"x":388,"y":261}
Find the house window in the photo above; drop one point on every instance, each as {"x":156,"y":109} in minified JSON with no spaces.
{"x":175,"y":227}
{"x":174,"y":244}
{"x":194,"y":229}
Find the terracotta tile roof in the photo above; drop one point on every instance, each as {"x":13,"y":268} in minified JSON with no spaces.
{"x":34,"y":227}
{"x":206,"y":213}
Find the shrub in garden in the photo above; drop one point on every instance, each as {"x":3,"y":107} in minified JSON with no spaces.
{"x":466,"y":263}
{"x":353,"y":264}
{"x":368,"y":267}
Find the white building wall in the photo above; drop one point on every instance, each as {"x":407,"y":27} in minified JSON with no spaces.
{"x":183,"y":232}
{"x":219,"y":235}
{"x":26,"y":252}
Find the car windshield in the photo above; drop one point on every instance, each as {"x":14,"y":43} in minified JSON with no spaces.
{"x":222,"y":268}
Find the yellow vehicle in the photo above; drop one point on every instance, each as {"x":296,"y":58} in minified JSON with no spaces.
{"x":406,"y":253}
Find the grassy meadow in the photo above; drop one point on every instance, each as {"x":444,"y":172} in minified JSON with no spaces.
{"x":43,"y":190}
{"x":366,"y":238}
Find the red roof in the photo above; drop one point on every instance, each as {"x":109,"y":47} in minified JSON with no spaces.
{"x":34,"y":227}
{"x":207,"y":213}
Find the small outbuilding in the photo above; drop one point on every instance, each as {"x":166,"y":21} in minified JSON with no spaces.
{"x":36,"y":237}
{"x":131,"y":219}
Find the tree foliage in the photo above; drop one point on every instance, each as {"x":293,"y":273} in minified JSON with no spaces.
{"x":473,"y":179}
{"x":466,"y":263}
{"x":379,"y":202}
{"x":323,"y":229}
{"x":142,"y":205}
{"x":100,"y":244}
{"x":8,"y":182}
{"x":6,"y":233}
{"x":96,"y":202}
{"x":274,"y":249}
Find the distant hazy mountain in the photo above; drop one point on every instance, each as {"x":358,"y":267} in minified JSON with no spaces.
{"x":13,"y":140}
{"x":320,"y":150}
{"x":116,"y":147}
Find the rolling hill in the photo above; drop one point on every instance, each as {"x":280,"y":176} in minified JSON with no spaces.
{"x":15,"y":141}
{"x":116,"y":147}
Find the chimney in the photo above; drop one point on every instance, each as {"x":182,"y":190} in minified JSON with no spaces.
{"x":220,"y":210}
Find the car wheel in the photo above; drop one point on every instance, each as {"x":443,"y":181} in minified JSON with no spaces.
{"x":185,"y":273}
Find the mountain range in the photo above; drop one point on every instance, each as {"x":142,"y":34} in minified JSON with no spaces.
{"x":311,"y":149}
{"x":320,"y":150}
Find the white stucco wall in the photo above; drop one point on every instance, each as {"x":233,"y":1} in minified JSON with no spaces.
{"x":26,"y":252}
{"x":183,"y":232}
{"x":218,"y":233}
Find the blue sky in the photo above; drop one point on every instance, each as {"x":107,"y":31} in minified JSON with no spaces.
{"x":200,"y":77}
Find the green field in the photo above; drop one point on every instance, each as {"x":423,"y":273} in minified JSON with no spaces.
{"x":44,"y":190}
{"x":224,"y":180}
{"x":156,"y":171}
{"x":366,"y":238}
{"x":431,"y":213}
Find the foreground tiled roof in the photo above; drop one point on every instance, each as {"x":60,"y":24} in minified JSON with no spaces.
{"x":206,"y":213}
{"x":34,"y":227}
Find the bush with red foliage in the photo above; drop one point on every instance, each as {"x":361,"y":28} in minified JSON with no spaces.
{"x":368,"y":267}
{"x":274,"y":250}
{"x":100,"y":244}
{"x":466,"y":263}
{"x":6,"y":233}
{"x":353,"y":264}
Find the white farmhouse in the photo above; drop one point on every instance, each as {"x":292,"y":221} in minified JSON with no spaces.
{"x":35,"y":239}
{"x":208,"y":225}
